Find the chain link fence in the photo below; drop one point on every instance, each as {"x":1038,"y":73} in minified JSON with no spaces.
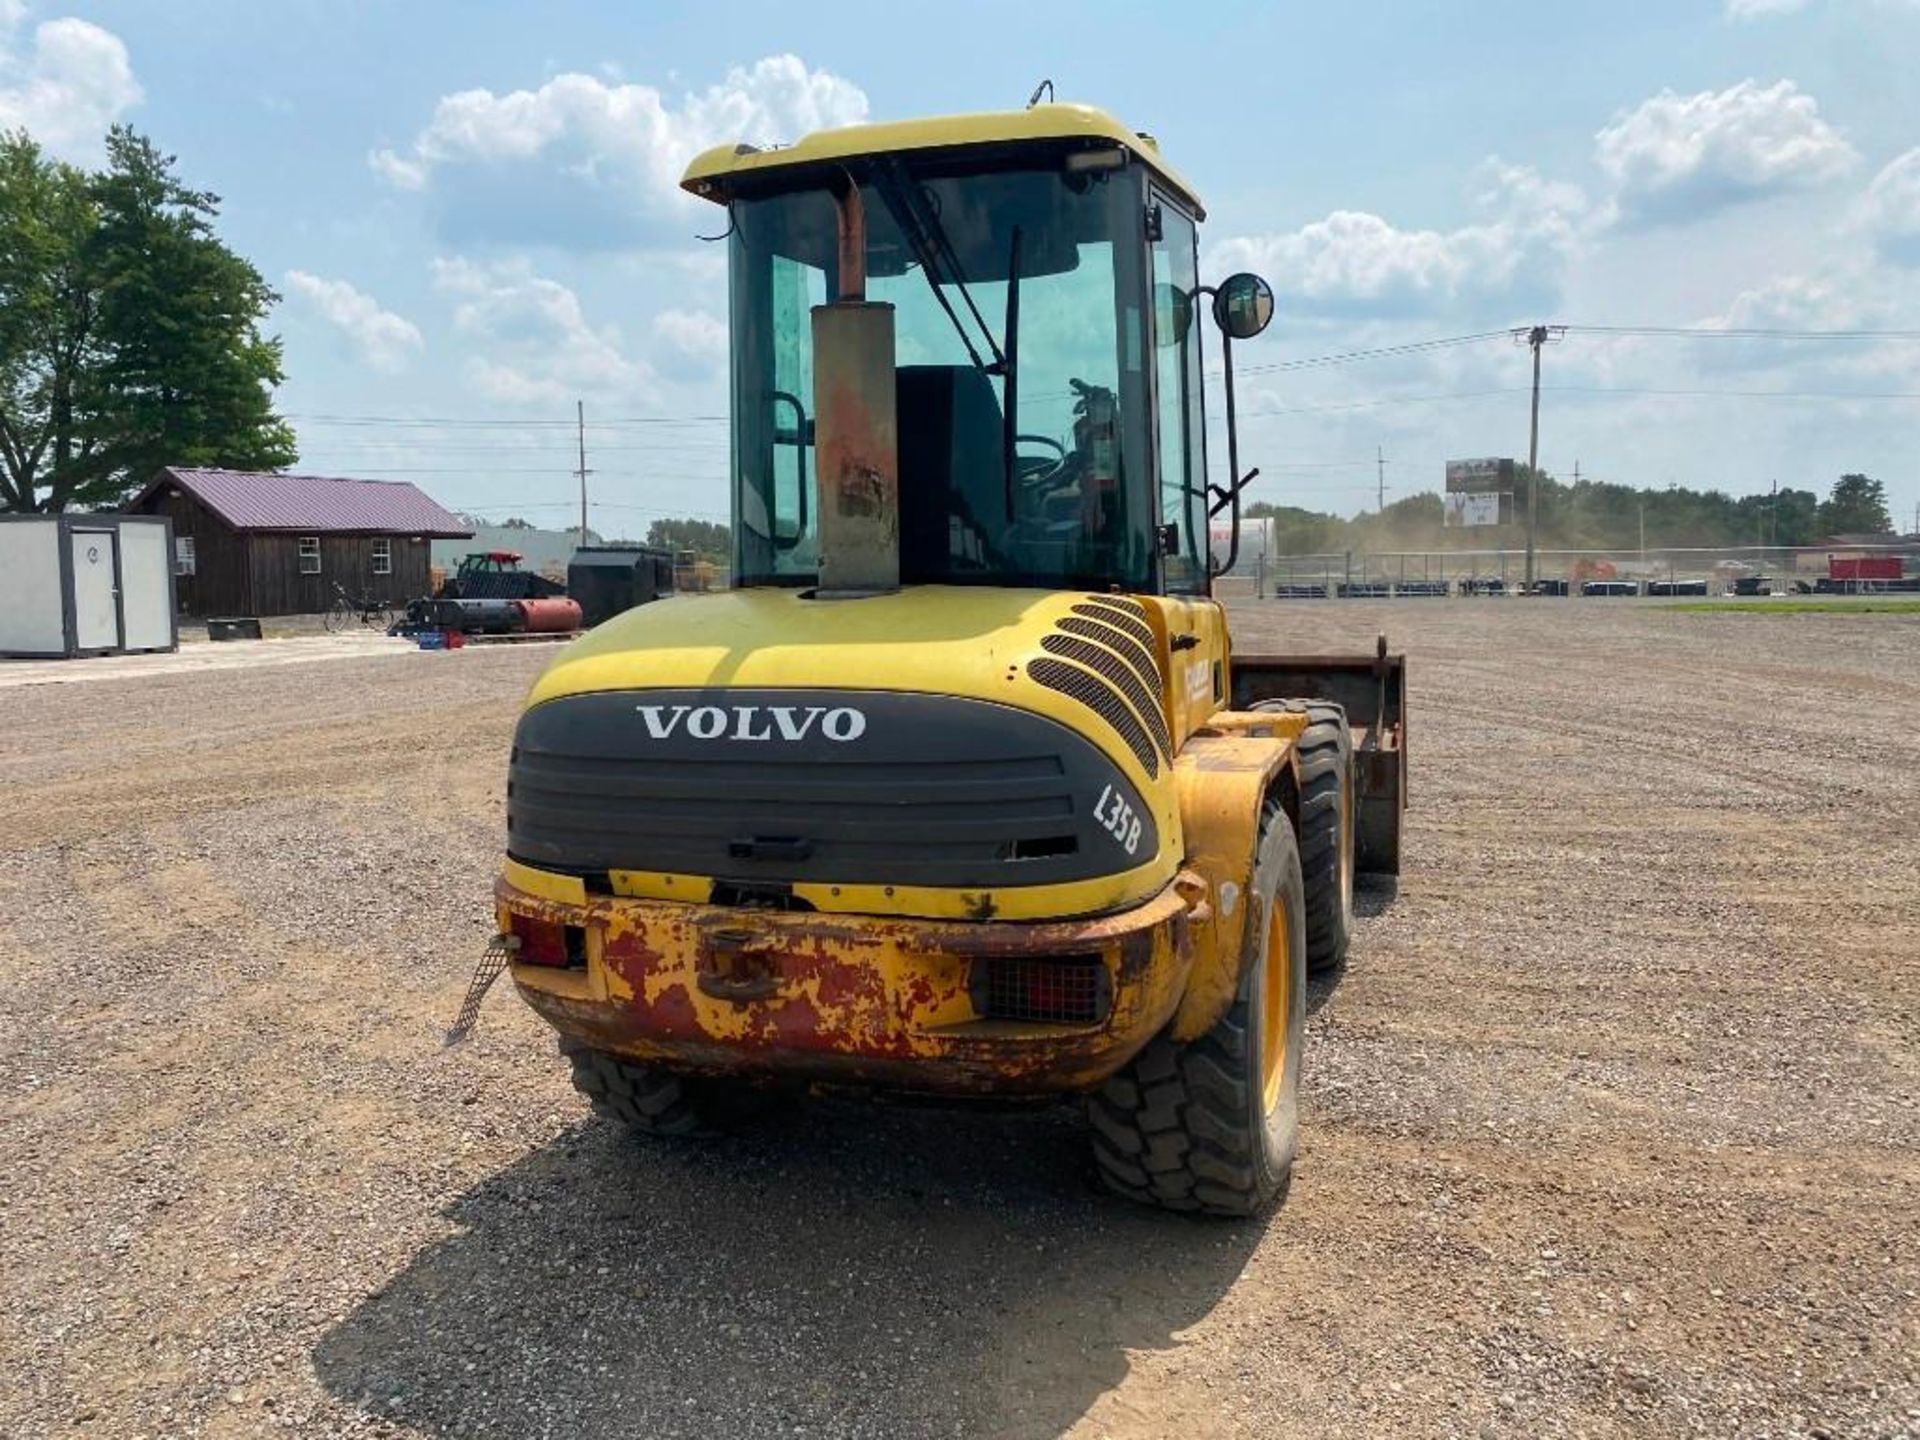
{"x":1678,"y":571}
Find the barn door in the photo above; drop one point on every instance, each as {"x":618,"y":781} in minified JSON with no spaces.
{"x":96,"y":593}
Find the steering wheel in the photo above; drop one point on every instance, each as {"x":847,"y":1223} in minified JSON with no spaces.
{"x":1040,"y":473}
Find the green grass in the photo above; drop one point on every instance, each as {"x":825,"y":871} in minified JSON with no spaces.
{"x":1761,"y":605}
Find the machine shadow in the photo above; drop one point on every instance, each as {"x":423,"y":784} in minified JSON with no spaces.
{"x":885,"y":1270}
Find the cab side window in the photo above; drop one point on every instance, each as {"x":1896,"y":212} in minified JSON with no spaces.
{"x":1179,"y":419}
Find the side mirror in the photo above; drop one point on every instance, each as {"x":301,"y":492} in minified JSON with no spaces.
{"x":1243,"y":305}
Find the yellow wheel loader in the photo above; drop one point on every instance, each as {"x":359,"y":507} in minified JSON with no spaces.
{"x":960,"y":788}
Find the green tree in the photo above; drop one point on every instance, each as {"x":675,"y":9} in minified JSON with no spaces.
{"x":710,"y":539}
{"x":49,"y":327}
{"x":132,"y":334}
{"x":1297,"y":531}
{"x":1856,"y":505}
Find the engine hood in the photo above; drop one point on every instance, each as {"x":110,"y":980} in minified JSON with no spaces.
{"x":977,"y":643}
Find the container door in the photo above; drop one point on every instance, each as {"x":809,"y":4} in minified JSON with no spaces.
{"x":96,"y":599}
{"x":146,"y":593}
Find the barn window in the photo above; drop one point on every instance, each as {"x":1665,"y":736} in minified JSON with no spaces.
{"x":309,"y":554}
{"x":183,"y":555}
{"x":383,"y":556}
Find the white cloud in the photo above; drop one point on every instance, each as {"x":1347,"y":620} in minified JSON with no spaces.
{"x":1679,"y":157}
{"x":1831,"y":301}
{"x":1892,"y":209}
{"x":66,"y":86}
{"x":691,"y":342}
{"x":594,"y":155}
{"x":1354,"y":261}
{"x":534,"y":343}
{"x":386,"y":341}
{"x":1763,"y":9}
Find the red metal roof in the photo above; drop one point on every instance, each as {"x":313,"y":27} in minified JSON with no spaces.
{"x":312,"y":504}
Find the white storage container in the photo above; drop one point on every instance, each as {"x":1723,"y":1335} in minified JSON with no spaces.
{"x":86,"y":585}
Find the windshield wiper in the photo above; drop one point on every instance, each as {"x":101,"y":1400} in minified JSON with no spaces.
{"x":1009,"y":368}
{"x":920,"y":225}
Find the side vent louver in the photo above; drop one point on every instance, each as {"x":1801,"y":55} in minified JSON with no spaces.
{"x":1114,"y":671}
{"x":1113,"y":674}
{"x":1108,"y":612}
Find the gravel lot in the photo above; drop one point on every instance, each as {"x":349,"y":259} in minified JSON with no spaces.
{"x":1611,"y":1122}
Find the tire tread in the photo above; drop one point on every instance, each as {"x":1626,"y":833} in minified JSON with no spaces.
{"x":1171,"y":1129}
{"x":1325,"y":748}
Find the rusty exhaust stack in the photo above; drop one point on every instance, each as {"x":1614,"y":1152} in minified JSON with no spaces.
{"x":856,"y":422}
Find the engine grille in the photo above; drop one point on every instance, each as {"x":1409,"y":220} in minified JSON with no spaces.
{"x":1111,"y":668}
{"x":1098,"y":696}
{"x":933,"y":790}
{"x":1113,"y":673}
{"x":1122,"y":616}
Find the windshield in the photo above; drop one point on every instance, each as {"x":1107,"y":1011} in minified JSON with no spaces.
{"x":943,"y":250}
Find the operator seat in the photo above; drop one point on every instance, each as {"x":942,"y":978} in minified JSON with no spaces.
{"x":952,"y":471}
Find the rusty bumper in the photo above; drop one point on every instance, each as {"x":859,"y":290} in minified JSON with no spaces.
{"x":847,"y":999}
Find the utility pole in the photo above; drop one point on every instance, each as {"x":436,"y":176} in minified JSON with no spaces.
{"x":580,"y":421}
{"x":1643,"y":532}
{"x":1535,"y":338}
{"x":1380,"y":459}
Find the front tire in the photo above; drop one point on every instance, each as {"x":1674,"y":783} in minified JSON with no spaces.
{"x":662,"y":1102}
{"x":1211,"y":1125}
{"x":1327,"y":834}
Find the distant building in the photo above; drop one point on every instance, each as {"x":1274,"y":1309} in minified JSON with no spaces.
{"x":262,"y":543}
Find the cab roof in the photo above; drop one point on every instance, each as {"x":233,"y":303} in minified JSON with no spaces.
{"x":713,"y":173}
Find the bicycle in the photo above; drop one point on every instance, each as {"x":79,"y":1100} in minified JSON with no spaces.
{"x":346,"y":609}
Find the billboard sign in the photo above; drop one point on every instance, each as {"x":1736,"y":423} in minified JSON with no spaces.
{"x":1477,"y":477}
{"x":1469,"y":509}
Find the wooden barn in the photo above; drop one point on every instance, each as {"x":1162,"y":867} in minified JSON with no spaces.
{"x":251,"y":543}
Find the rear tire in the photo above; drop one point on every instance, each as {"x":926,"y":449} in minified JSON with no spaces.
{"x":338,"y":617}
{"x":1211,"y":1125}
{"x":1327,"y":831}
{"x":662,"y":1102}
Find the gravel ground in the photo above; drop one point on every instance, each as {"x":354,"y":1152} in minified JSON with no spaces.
{"x":1611,"y":1121}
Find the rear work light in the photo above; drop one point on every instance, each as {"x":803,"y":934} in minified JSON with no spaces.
{"x":549,"y":943}
{"x":1056,"y":990}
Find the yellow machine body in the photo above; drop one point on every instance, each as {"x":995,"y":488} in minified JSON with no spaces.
{"x":889,"y":597}
{"x":872,"y":982}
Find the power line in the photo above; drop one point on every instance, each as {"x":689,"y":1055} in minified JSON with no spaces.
{"x":1348,"y":357}
{"x":454,"y":422}
{"x":1373,"y":404}
{"x":1742,"y":394}
{"x":1842,"y":395}
{"x":1714,"y":332}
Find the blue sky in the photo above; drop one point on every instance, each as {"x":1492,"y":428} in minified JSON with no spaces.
{"x":470,"y":212}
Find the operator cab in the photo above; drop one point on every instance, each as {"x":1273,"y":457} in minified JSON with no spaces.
{"x":1042,"y":408}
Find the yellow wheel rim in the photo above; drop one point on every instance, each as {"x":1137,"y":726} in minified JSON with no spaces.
{"x":1346,"y":849}
{"x":1276,"y":1004}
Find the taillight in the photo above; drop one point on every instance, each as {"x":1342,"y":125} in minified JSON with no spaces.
{"x":1062,"y":990}
{"x":548,"y":942}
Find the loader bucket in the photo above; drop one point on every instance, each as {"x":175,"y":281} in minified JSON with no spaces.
{"x":1372,"y":690}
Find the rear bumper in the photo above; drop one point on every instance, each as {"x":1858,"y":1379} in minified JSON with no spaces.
{"x":866,"y":1000}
